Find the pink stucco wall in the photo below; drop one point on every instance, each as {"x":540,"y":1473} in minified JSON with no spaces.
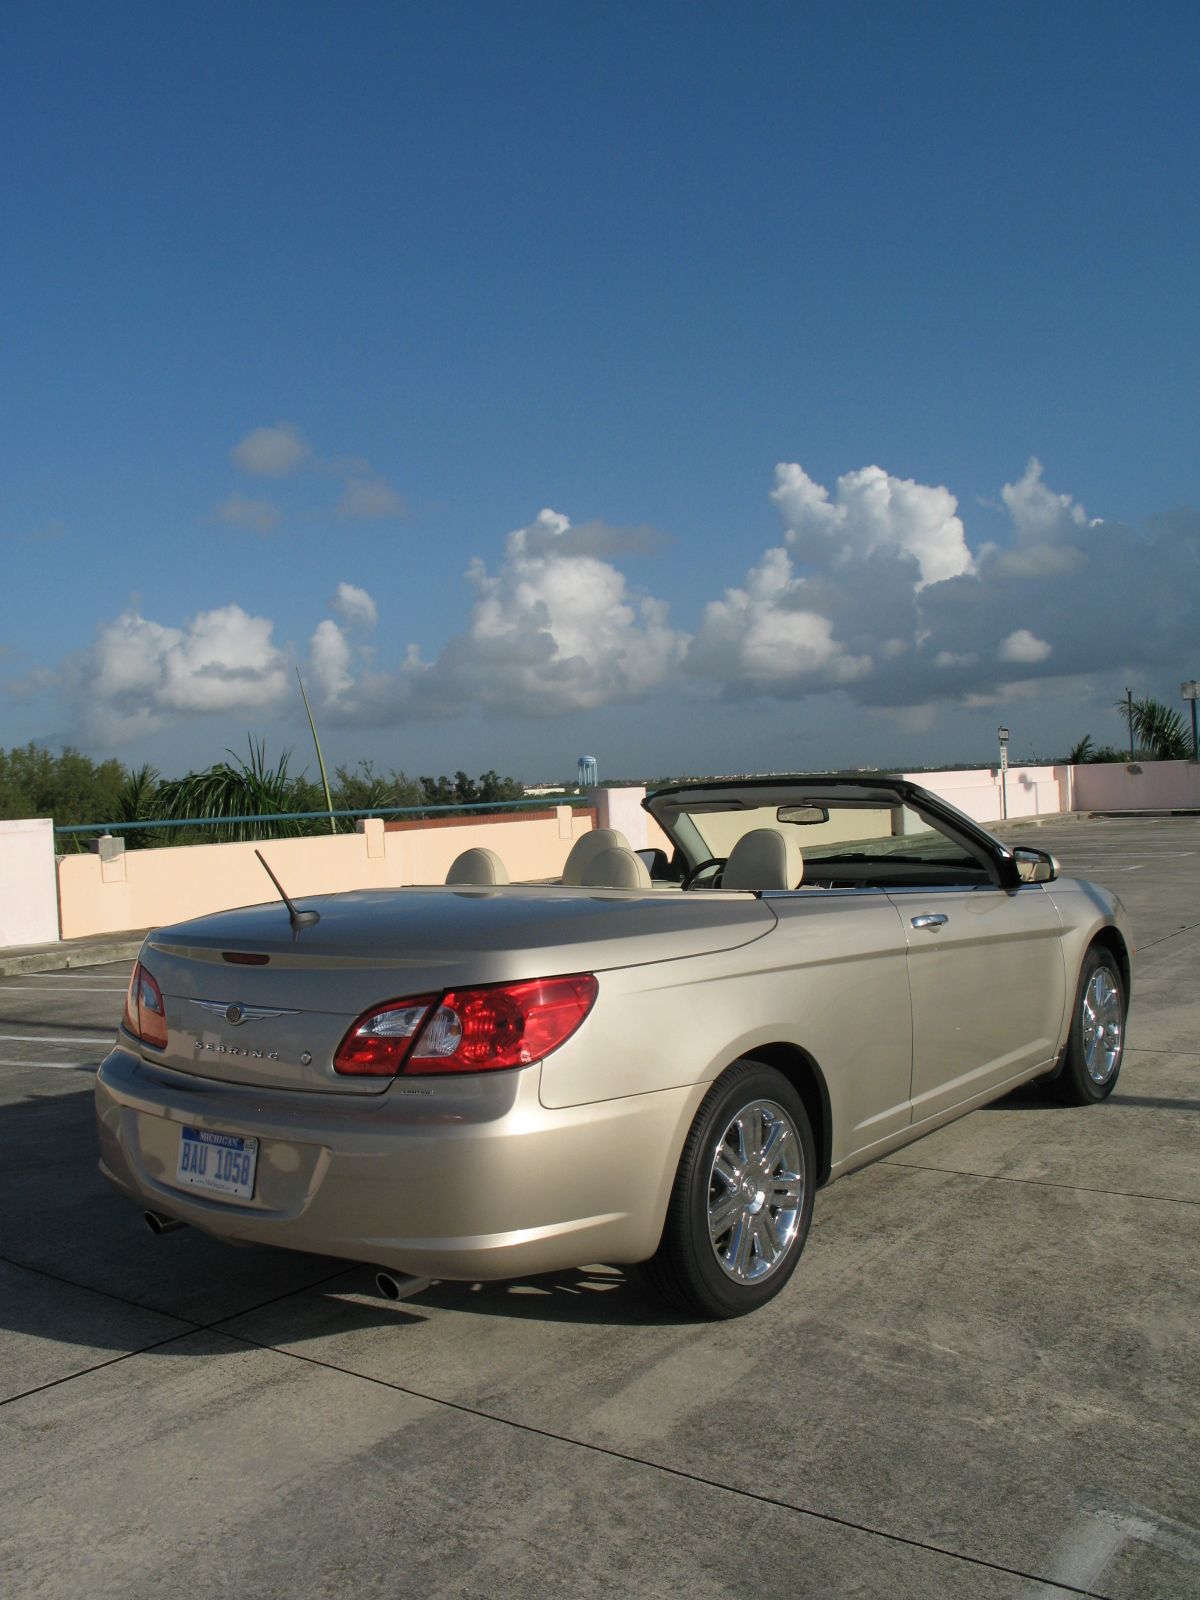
{"x":145,"y":888}
{"x":1137,"y":786}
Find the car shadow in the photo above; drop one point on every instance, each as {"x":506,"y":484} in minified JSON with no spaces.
{"x":1029,"y":1097}
{"x":82,"y":1268}
{"x":596,"y":1294}
{"x":1156,"y":1102}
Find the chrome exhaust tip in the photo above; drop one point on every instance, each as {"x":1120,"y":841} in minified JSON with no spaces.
{"x":160,"y":1224}
{"x":399,"y":1285}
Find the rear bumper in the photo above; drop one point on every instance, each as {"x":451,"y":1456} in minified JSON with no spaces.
{"x":470,"y":1179}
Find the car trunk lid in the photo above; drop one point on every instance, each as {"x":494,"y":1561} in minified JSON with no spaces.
{"x":251,"y":1000}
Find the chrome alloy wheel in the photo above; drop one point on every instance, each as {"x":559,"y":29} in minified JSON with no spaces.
{"x":1101,"y":1026}
{"x":755,"y":1192}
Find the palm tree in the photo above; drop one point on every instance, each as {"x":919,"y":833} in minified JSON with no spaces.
{"x":137,"y":801}
{"x":1159,"y":730}
{"x":1081,"y":752}
{"x":245,"y":788}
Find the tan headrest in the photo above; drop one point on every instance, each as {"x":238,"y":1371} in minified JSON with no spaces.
{"x":589,"y":845}
{"x":616,"y":869}
{"x":477,"y":866}
{"x":764,"y":859}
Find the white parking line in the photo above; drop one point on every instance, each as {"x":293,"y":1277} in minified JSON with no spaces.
{"x":56,"y":1066}
{"x":49,"y":988}
{"x":48,"y":1038}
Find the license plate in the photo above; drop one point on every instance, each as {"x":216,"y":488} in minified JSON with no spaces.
{"x":222,"y":1163}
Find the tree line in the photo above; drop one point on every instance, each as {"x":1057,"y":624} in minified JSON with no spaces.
{"x":73,"y":789}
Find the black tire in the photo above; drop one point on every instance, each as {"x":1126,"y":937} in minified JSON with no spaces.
{"x":749,"y":1157}
{"x":1096,"y":1044}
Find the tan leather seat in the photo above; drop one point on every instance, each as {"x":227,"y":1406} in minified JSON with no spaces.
{"x":764,"y":859}
{"x":616,"y":868}
{"x":589,"y":845}
{"x":478,"y":867}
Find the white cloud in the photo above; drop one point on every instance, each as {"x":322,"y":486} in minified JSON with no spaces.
{"x":872,"y":512}
{"x":369,"y":498}
{"x":1039,"y":515}
{"x":271,"y":452}
{"x":555,"y":630}
{"x":329,"y":660}
{"x":243,"y":511}
{"x":768,"y":635}
{"x":1023,"y":646}
{"x":850,"y":603}
{"x":355,"y":606}
{"x":139,"y":675}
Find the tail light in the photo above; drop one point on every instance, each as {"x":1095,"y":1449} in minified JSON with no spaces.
{"x":467,"y":1030}
{"x":145,"y":1015}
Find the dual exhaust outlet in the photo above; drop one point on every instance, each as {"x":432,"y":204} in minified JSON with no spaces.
{"x":390,"y":1285}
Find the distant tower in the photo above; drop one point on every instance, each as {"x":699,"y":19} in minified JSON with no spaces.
{"x":587,"y":772}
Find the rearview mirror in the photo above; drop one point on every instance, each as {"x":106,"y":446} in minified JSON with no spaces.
{"x":805,"y":816}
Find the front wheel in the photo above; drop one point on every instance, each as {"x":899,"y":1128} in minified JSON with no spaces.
{"x":743,"y":1196}
{"x":1097,"y":1039}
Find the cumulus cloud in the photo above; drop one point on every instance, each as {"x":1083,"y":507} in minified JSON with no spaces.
{"x":874,"y":593}
{"x":329,"y":661}
{"x":243,"y":511}
{"x":554,"y":630}
{"x":872,"y":511}
{"x":139,"y":675}
{"x":354,"y":606}
{"x":878,"y":591}
{"x":271,"y":452}
{"x":767,"y":635}
{"x":369,"y":498}
{"x":1040,"y":516}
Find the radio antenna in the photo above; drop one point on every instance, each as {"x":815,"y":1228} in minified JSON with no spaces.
{"x":300,"y":919}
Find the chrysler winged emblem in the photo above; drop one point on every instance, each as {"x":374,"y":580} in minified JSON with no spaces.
{"x":236,"y":1013}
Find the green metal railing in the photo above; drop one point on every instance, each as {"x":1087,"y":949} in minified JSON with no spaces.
{"x":471,"y":808}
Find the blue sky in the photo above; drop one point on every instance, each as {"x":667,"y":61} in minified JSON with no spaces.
{"x":703,"y":386}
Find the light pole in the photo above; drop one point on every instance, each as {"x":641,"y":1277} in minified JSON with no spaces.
{"x":1002,"y":735}
{"x":1191,"y":691}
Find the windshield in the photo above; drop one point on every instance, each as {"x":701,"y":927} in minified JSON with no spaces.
{"x":840,"y":844}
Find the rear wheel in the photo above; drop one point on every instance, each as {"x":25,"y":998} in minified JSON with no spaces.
{"x":743,"y":1196}
{"x":1097,"y":1040}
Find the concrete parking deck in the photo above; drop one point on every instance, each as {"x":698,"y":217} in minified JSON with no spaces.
{"x":982,"y":1381}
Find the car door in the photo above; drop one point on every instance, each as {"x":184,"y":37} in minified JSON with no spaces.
{"x":841,"y":963}
{"x":987,"y":978}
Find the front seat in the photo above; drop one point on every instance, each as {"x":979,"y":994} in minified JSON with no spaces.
{"x":589,"y":845}
{"x":478,"y":866}
{"x":616,"y":869}
{"x":764,"y":859}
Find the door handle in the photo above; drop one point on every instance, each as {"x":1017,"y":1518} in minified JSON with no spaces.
{"x":931,"y":919}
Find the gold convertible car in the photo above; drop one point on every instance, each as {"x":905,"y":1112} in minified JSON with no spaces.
{"x":655,"y":1060}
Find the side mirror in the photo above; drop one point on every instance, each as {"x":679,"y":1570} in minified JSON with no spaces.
{"x":1035,"y":866}
{"x":657,"y":865}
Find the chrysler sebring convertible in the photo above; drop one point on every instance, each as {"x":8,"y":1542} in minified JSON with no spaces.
{"x":655,"y":1060}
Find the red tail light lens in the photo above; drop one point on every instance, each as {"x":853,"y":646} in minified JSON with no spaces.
{"x":468,"y":1030}
{"x":145,"y":1015}
{"x":379,"y":1041}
